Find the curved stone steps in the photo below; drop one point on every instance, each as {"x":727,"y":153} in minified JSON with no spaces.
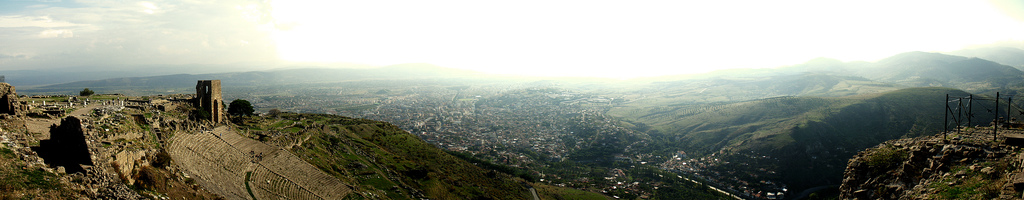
{"x":268,"y":185}
{"x":213,"y":172}
{"x":219,"y":160}
{"x":295,"y":169}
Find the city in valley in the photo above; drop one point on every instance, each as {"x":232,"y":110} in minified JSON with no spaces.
{"x":548,"y":131}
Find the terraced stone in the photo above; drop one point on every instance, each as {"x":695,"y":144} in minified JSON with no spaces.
{"x":268,"y":185}
{"x":219,"y":160}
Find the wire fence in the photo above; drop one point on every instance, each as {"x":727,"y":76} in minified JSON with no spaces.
{"x":998,"y":111}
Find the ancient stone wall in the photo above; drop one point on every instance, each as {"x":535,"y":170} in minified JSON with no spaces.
{"x":209,"y":99}
{"x":9,"y":103}
{"x":126,"y":163}
{"x":67,"y":146}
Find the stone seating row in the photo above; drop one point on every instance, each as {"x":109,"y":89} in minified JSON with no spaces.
{"x":207,"y":171}
{"x":269,"y":185}
{"x":240,"y":142}
{"x":293,"y":168}
{"x":219,"y":161}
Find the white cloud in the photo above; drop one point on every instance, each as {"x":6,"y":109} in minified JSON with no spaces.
{"x":10,"y":57}
{"x":63,"y":33}
{"x":128,"y":33}
{"x":148,"y":7}
{"x":33,"y":21}
{"x":600,"y":38}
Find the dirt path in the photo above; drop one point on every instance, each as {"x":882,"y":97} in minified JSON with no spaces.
{"x":41,"y":127}
{"x":86,"y":110}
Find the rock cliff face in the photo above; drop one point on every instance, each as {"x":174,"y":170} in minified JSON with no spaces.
{"x":969,"y":165}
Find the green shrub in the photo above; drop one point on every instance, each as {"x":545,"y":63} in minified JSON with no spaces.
{"x":161,"y":159}
{"x":885,"y":158}
{"x":150,"y":178}
{"x":7,"y":153}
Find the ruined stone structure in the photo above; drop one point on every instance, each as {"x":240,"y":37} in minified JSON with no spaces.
{"x":67,"y":146}
{"x":9,"y":100}
{"x":208,"y":98}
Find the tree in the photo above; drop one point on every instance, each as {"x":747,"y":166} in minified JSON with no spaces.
{"x":240,"y":107}
{"x":86,"y":92}
{"x":274,"y":112}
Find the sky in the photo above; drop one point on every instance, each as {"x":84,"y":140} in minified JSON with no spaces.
{"x":618,"y":39}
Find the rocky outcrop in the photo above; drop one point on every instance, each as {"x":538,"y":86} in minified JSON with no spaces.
{"x":98,"y":184}
{"x":965,"y":166}
{"x":89,"y":183}
{"x":9,"y":103}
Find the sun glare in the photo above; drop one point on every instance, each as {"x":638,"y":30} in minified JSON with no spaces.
{"x":628,"y":39}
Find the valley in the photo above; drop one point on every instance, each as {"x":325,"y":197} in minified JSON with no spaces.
{"x":757,"y":134}
{"x":489,"y":100}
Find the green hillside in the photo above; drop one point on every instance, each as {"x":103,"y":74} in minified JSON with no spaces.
{"x":811,"y":137}
{"x":386,"y":162}
{"x":653,"y":105}
{"x":19,"y":179}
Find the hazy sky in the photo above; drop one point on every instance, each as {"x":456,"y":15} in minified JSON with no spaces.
{"x":580,"y":38}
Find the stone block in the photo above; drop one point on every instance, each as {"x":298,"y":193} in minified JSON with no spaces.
{"x":1014,"y":139}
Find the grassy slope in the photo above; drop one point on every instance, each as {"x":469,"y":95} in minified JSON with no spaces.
{"x":812,"y":136}
{"x":18,"y":180}
{"x":384,"y":161}
{"x":695,"y":96}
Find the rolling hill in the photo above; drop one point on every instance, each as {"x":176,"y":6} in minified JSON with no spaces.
{"x":1013,"y":57}
{"x":381,"y":159}
{"x":811,"y":137}
{"x":920,"y":69}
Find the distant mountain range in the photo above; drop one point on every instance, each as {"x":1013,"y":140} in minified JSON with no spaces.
{"x":177,"y":83}
{"x":920,"y":69}
{"x":911,"y":69}
{"x":814,"y":116}
{"x":1013,"y":57}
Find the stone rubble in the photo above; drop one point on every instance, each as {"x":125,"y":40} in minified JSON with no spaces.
{"x":925,"y":164}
